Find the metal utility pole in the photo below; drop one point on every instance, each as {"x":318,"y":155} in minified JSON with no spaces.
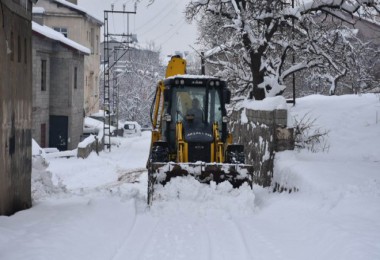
{"x":109,"y":69}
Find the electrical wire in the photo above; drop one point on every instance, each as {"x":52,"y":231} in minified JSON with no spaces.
{"x":154,"y":17}
{"x":178,"y":24}
{"x":164,"y":16}
{"x":172,"y":35}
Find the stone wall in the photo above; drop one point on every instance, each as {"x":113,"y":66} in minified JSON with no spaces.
{"x":262,"y":133}
{"x":85,"y":148}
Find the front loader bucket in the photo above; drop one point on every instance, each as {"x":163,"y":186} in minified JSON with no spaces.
{"x":236,"y":174}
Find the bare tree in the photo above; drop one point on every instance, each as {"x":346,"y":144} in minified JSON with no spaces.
{"x":137,"y":74}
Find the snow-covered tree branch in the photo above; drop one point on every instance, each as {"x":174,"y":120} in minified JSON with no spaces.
{"x":257,"y":44}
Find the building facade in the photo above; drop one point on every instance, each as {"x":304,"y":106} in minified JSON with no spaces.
{"x":15,"y":105}
{"x":76,"y":24}
{"x":58,"y":87}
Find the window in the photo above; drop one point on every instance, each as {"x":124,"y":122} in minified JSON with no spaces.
{"x":43,"y":75}
{"x":61,"y":30}
{"x":25,"y":51}
{"x":92,"y":40}
{"x":19,"y":48}
{"x":75,"y":78}
{"x":12,"y":47}
{"x":97,"y":44}
{"x":95,"y":87}
{"x":43,"y":135}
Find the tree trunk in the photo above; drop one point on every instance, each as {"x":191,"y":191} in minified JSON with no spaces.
{"x":257,"y":78}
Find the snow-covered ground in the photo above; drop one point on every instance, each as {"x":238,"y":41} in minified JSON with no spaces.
{"x":96,"y":208}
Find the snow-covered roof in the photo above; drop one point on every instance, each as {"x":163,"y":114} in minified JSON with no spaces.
{"x":57,"y":36}
{"x":79,"y":9}
{"x":38,"y":10}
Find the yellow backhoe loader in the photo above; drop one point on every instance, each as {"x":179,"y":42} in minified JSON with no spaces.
{"x":189,"y":136}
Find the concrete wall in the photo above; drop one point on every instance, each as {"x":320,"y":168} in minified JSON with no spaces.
{"x":265,"y":133}
{"x":15,"y":107}
{"x":42,"y":49}
{"x":65,"y":100}
{"x":79,"y":28}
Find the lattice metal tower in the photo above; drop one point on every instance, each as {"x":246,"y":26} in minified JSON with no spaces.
{"x":111,"y":102}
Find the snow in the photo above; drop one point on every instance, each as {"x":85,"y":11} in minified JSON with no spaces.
{"x":38,"y":10}
{"x":189,"y":76}
{"x":95,"y":208}
{"x":87,"y":141}
{"x":267,"y":104}
{"x":57,"y":36}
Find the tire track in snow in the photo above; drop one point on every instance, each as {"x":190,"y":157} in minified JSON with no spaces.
{"x":122,"y":243}
{"x":210,"y":244}
{"x":226,"y":240}
{"x":240,"y":233}
{"x":258,"y":237}
{"x":136,"y":242}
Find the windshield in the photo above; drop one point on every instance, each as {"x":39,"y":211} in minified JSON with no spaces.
{"x":190,"y":103}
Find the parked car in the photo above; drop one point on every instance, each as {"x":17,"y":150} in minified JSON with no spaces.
{"x":131,"y":128}
{"x":146,"y":128}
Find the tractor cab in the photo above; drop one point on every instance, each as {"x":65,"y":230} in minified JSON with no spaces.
{"x":198,"y":104}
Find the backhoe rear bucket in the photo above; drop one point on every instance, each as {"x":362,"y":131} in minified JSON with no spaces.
{"x":236,"y":174}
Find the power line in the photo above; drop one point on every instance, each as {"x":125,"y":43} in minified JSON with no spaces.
{"x":177,"y":24}
{"x":171,"y":36}
{"x":164,"y":16}
{"x":154,"y":17}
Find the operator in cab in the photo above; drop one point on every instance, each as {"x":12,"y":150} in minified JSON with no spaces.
{"x":195,"y":113}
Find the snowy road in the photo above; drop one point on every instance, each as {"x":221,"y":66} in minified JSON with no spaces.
{"x":96,"y":208}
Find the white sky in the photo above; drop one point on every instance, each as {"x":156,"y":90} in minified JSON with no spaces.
{"x":162,"y":22}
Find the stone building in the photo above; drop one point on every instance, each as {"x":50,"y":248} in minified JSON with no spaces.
{"x":58,"y":66}
{"x":15,"y":105}
{"x":78,"y":25}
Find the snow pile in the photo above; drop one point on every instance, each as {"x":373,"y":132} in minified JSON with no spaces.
{"x":42,"y":184}
{"x":39,"y":161}
{"x":184,"y":193}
